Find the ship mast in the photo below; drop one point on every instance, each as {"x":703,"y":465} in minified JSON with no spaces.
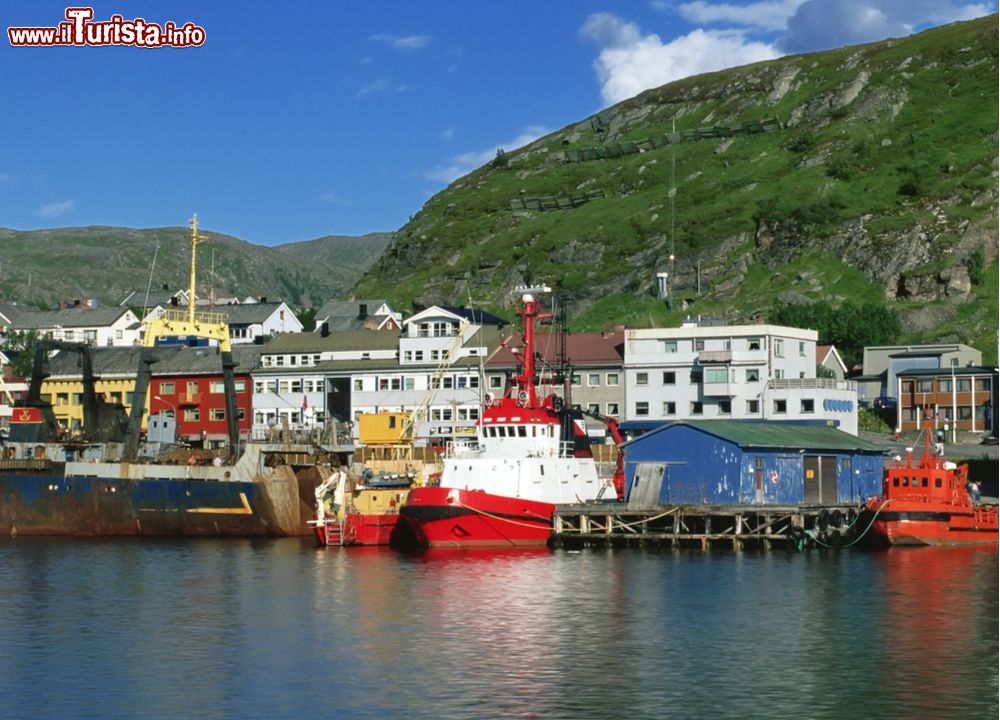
{"x":194,"y":265}
{"x":532,"y":310}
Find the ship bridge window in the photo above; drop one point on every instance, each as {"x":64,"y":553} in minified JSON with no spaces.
{"x":522,"y":431}
{"x":937,"y":482}
{"x":895,"y":482}
{"x":924,"y":482}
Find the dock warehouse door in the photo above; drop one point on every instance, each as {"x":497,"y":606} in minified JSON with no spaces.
{"x":646,"y":484}
{"x":819,"y":480}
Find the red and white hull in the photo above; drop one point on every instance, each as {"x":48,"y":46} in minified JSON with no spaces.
{"x":455,"y":518}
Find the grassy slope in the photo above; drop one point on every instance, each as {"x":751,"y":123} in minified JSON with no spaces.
{"x":44,"y":266}
{"x":911,"y":154}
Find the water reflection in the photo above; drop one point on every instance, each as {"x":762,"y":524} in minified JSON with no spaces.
{"x":268,"y":629}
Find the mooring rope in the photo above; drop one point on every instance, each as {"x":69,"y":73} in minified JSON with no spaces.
{"x":859,"y":537}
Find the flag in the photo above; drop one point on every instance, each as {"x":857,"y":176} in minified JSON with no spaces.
{"x":305,"y":404}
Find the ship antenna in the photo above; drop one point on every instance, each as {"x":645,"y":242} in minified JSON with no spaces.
{"x":152,"y":268}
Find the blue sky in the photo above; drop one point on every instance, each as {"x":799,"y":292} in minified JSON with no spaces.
{"x":296,"y":120}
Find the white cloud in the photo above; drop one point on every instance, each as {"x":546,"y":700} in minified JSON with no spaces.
{"x":55,"y":209}
{"x":824,"y":24}
{"x":375,"y":86}
{"x":767,"y":15}
{"x":465,"y":163}
{"x":403,"y":42}
{"x":334,"y":199}
{"x":448,"y":134}
{"x":630,"y":62}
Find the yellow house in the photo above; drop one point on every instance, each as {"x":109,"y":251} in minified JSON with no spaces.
{"x":66,"y":396}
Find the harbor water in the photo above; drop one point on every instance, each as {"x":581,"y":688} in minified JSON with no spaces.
{"x":278,"y":629}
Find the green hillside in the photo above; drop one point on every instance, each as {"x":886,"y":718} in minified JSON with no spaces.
{"x":863,"y":176}
{"x":43,"y":267}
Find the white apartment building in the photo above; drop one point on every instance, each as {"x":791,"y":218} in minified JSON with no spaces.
{"x":710,"y":371}
{"x":433,"y":362}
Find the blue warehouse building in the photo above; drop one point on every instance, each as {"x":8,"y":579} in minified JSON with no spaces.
{"x":744,"y":462}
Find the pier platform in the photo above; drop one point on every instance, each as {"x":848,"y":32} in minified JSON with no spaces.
{"x":736,"y":526}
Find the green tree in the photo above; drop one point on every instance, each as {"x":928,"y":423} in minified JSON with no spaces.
{"x":20,"y":348}
{"x":307,"y":317}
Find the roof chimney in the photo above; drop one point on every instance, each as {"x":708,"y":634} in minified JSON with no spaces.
{"x":324,"y":330}
{"x":362,"y":311}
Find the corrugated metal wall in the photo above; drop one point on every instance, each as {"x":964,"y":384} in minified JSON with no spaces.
{"x":704,"y":469}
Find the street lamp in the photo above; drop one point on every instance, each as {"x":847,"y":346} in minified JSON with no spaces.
{"x":173,"y":408}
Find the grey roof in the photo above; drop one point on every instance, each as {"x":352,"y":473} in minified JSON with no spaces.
{"x":248,"y":313}
{"x":475,"y":315}
{"x":774,"y":435}
{"x":137,"y":298}
{"x":342,"y":315}
{"x":171,"y":360}
{"x":348,"y":340}
{"x":946,"y":372}
{"x":74,"y":317}
{"x":11,"y":311}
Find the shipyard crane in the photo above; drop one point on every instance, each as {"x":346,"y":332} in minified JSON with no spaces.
{"x":180,"y":323}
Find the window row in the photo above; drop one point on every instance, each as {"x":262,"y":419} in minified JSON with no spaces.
{"x":192,"y":387}
{"x":945,"y":385}
{"x":307,"y":360}
{"x":722,"y":374}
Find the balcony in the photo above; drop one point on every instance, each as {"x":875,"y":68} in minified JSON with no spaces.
{"x":714,"y":356}
{"x":187,"y":398}
{"x":718,"y":389}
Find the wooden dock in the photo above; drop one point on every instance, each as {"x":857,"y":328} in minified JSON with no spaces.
{"x":736,"y":526}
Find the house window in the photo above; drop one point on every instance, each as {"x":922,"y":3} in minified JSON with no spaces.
{"x":217,"y":387}
{"x":725,"y":407}
{"x":575,"y":379}
{"x":808,"y":405}
{"x":697,"y":408}
{"x":192,"y":388}
{"x":780,"y":407}
{"x":612,"y":379}
{"x":964,"y":385}
{"x":258,"y":386}
{"x":408,"y":384}
{"x":496,"y":382}
{"x":699,"y":344}
{"x":642,"y":378}
{"x":296,"y":386}
{"x":965,"y":413}
{"x":779,"y":348}
{"x":669,"y":378}
{"x":292,"y":361}
{"x":753,"y":343}
{"x":240,"y":386}
{"x":716,"y":375}
{"x":642,"y":409}
{"x":982,"y":384}
{"x":753,"y":375}
{"x":418,"y":355}
{"x":779,"y":374}
{"x":241,"y":413}
{"x":279,"y":361}
{"x":753,"y":407}
{"x":166,"y":388}
{"x":593,"y":379}
{"x":669,"y":408}
{"x":612,"y":409}
{"x":217,"y":414}
{"x":192,"y":415}
{"x":594,"y":408}
{"x":695,"y":378}
{"x":669,"y":346}
{"x":407,"y":356}
{"x":925,"y":386}
{"x":359,"y":385}
{"x":802,"y":349}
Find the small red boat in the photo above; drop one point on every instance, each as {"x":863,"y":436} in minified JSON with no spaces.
{"x":358,"y":511}
{"x":530,"y":454}
{"x":929,"y":503}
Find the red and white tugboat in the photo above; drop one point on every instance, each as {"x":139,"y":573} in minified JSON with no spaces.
{"x":530,"y":455}
{"x":929,"y":504}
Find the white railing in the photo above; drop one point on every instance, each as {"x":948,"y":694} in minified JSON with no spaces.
{"x":812,"y":384}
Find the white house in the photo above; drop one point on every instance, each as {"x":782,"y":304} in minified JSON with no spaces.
{"x":308,"y":378}
{"x":256,"y":322}
{"x":705,"y":371}
{"x":101,"y":326}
